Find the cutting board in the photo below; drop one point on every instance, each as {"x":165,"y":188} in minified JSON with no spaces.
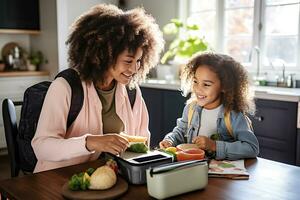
{"x":116,"y":191}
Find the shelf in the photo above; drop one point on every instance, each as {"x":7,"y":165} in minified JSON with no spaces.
{"x":24,"y":73}
{"x":19,"y":31}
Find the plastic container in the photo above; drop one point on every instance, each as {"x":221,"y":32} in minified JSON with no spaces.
{"x":177,"y":178}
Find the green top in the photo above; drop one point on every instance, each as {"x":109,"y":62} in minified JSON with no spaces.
{"x":111,"y":121}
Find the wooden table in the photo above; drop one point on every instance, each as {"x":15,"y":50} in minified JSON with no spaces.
{"x":268,"y":180}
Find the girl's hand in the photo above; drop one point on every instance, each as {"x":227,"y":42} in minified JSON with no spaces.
{"x":205,"y":143}
{"x":165,"y":144}
{"x":112,"y":143}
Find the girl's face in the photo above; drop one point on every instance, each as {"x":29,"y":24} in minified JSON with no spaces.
{"x":207,"y":87}
{"x":126,"y":66}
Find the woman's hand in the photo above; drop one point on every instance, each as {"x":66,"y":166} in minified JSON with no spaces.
{"x":205,"y":143}
{"x":112,"y":143}
{"x":165,"y":144}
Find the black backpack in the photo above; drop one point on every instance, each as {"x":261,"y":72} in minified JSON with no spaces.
{"x":32,"y":105}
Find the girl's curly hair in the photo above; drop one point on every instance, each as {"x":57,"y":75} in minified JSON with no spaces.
{"x":236,"y":94}
{"x":104,"y":32}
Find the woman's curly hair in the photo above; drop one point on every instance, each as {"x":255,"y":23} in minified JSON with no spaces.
{"x":236,"y":94}
{"x":104,"y":32}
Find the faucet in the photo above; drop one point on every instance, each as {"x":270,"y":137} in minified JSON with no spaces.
{"x":257,"y":50}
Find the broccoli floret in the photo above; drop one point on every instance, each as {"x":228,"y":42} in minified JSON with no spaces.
{"x":79,"y":181}
{"x":75,"y":182}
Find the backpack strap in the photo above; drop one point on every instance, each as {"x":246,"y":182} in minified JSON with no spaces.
{"x":131,"y":95}
{"x":191,"y":112}
{"x":228,"y":122}
{"x":249,"y":122}
{"x":73,"y":78}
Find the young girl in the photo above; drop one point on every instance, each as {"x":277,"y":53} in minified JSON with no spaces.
{"x":215,"y":116}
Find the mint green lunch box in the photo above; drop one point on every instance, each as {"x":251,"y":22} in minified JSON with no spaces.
{"x":172,"y":179}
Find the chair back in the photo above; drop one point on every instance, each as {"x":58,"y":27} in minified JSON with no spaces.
{"x":11,"y":132}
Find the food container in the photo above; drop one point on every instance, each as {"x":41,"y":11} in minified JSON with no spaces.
{"x":132,"y":166}
{"x":176,"y":178}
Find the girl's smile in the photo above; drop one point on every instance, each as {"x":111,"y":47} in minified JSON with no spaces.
{"x":207,"y":87}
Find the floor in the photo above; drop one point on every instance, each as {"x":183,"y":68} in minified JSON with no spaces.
{"x":4,"y":167}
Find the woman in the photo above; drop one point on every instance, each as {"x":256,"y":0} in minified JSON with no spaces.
{"x":109,"y":49}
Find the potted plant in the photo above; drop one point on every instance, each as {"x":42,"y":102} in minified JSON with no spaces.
{"x":188,"y":40}
{"x":36,"y":58}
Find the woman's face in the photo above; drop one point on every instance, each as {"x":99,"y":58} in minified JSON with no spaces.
{"x":126,"y":66}
{"x":207,"y":87}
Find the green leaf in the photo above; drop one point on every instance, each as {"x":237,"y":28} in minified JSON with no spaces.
{"x":167,"y":56}
{"x":174,"y":44}
{"x":90,"y":170}
{"x":193,"y":27}
{"x":170,"y":29}
{"x":178,"y":23}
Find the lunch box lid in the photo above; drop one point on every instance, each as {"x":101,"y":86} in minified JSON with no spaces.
{"x":144,"y":158}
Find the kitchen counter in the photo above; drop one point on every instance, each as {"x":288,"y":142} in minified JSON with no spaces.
{"x":262,"y":92}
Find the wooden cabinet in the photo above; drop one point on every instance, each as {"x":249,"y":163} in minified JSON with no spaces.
{"x":164,"y":107}
{"x":18,"y":14}
{"x":14,"y":88}
{"x":275,"y":125}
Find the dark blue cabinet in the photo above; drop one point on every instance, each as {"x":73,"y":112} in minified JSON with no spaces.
{"x":275,"y":125}
{"x":164,"y":107}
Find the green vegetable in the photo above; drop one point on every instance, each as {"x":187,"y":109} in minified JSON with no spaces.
{"x":172,"y":154}
{"x":138,"y":148}
{"x":215,"y":137}
{"x":80,"y":181}
{"x":75,"y":182}
{"x":90,"y":171}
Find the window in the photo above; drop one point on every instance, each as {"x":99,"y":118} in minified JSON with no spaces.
{"x":238,"y":26}
{"x":262,"y":33}
{"x":281,"y":31}
{"x":204,"y":13}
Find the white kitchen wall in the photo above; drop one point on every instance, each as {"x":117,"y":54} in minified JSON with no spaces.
{"x":161,"y":10}
{"x":67,"y":12}
{"x":46,"y":41}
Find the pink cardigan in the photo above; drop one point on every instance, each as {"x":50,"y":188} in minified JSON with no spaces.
{"x":56,"y":147}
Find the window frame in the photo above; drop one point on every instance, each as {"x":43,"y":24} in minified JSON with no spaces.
{"x":258,"y":37}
